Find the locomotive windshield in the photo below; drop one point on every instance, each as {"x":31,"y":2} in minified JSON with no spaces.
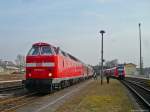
{"x":40,"y":50}
{"x":46,"y":50}
{"x":34,"y":51}
{"x":120,"y":68}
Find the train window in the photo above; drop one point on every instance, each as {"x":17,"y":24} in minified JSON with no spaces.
{"x":63,"y":63}
{"x":63,"y":53}
{"x":34,"y":51}
{"x":46,"y":50}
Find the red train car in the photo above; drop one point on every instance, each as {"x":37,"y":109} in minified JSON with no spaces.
{"x":117,"y":72}
{"x":48,"y":67}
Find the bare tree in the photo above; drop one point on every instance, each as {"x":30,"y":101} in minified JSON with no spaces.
{"x":111,"y":63}
{"x":20,"y":61}
{"x":3,"y":63}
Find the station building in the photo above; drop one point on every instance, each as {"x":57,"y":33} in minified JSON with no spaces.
{"x":130,"y":69}
{"x":1,"y":69}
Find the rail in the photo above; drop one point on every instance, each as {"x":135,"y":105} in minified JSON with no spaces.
{"x":142,"y":93}
{"x":14,"y":103}
{"x":12,"y":88}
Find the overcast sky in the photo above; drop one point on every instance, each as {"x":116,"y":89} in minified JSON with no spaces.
{"x":73,"y":25}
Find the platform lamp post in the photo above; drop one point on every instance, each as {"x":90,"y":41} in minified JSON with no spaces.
{"x":141,"y":61}
{"x":102,"y":60}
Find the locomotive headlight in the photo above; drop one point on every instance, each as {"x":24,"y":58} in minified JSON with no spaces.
{"x":50,"y":74}
{"x":29,"y":75}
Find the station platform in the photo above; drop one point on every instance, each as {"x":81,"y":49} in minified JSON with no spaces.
{"x":11,"y":77}
{"x":9,"y":81}
{"x":112,"y":97}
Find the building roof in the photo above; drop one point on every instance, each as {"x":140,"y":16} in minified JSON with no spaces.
{"x":132,"y":64}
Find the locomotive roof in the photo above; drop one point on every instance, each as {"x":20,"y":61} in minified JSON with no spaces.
{"x":72,"y":57}
{"x":42,"y":44}
{"x":46,"y":44}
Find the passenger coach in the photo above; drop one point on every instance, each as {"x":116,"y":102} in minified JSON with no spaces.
{"x":117,"y":72}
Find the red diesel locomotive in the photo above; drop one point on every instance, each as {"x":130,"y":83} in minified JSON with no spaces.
{"x":49,"y":67}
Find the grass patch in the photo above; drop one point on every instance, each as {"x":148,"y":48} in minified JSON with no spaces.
{"x":96,"y":98}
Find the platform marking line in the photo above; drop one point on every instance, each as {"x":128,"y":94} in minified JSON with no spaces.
{"x":1,"y":82}
{"x":60,"y":98}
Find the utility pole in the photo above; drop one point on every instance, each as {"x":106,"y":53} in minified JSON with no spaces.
{"x":102,"y":60}
{"x":141,"y":62}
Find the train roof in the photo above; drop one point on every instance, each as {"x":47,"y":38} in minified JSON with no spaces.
{"x":66,"y":54}
{"x":42,"y":44}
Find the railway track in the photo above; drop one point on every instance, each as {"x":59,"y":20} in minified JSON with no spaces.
{"x":142,"y":93}
{"x":13,"y":103}
{"x":143,"y":82}
{"x":11,"y":88}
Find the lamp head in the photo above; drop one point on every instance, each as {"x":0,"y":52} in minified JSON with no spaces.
{"x":102,"y":31}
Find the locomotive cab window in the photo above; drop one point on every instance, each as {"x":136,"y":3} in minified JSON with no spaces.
{"x":40,"y":50}
{"x":46,"y":50}
{"x":34,"y":51}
